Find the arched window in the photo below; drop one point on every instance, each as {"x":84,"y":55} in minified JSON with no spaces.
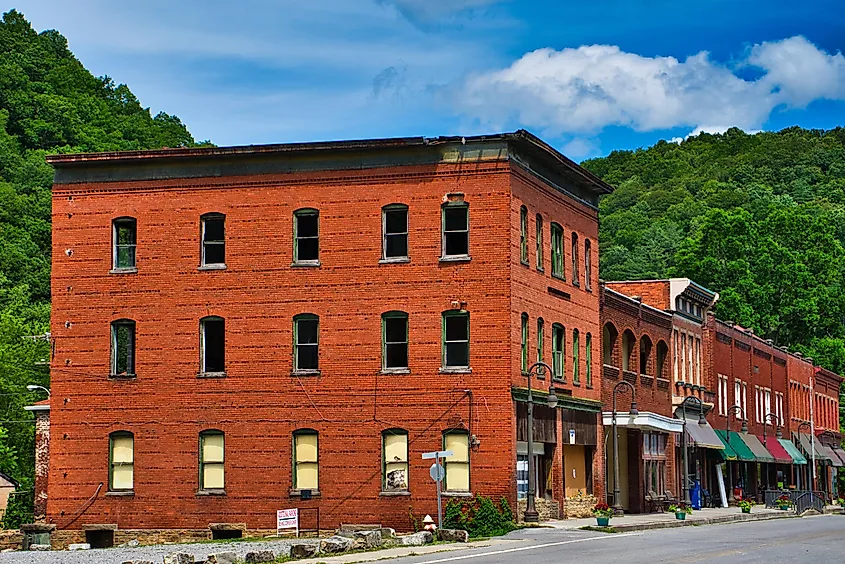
{"x":306,"y":469}
{"x":456,"y":465}
{"x":524,"y":343}
{"x":558,"y":352}
{"x":576,"y":277}
{"x":645,"y":354}
{"x":123,"y":243}
{"x":523,"y":235}
{"x":212,"y":460}
{"x":123,"y":347}
{"x":539,"y":221}
{"x":588,"y":358}
{"x":609,"y":336}
{"x":306,"y":237}
{"x":588,"y":265}
{"x":394,"y":330}
{"x":628,"y":344}
{"x":213,"y":239}
{"x":540,"y":339}
{"x":306,"y":342}
{"x":576,"y":375}
{"x":557,"y":251}
{"x":394,"y":460}
{"x":662,"y":353}
{"x":212,"y":345}
{"x":121,"y":461}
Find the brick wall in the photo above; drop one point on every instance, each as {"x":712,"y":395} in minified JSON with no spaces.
{"x":653,"y":292}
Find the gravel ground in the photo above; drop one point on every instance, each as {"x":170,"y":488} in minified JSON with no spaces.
{"x":156,"y":553}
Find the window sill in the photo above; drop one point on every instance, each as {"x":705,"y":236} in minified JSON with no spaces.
{"x":123,"y":376}
{"x":395,"y":371}
{"x":559,"y":277}
{"x":456,"y":258}
{"x":127,"y":270}
{"x":211,"y":375}
{"x":541,"y":270}
{"x":310,"y":372}
{"x":214,"y":492}
{"x":121,"y":493}
{"x":455,"y":370}
{"x":524,"y":263}
{"x":395,"y":260}
{"x":576,"y":284}
{"x":219,"y":266}
{"x":305,"y":264}
{"x":298,"y":493}
{"x":558,"y":380}
{"x":588,"y":387}
{"x":398,"y":493}
{"x":457,"y":494}
{"x":588,"y":289}
{"x":576,"y":384}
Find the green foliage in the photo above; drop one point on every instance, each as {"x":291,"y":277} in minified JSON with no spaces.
{"x":49,"y":103}
{"x":479,"y":516}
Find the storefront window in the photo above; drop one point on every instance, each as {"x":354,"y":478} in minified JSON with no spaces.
{"x":654,"y":457}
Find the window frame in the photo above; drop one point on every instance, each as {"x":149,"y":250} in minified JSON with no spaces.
{"x":131,"y":356}
{"x":204,"y":218}
{"x":588,"y":265}
{"x":576,"y":344}
{"x":576,"y":275}
{"x":558,"y":268}
{"x":203,"y":341}
{"x":203,"y":463}
{"x":455,"y":368}
{"x":384,"y":462}
{"x":541,"y":326}
{"x":120,"y":435}
{"x":523,"y":235}
{"x":558,"y":354}
{"x":385,"y":210}
{"x":394,"y":314}
{"x":446,"y":461}
{"x":294,"y":478}
{"x":296,"y":319}
{"x":300,"y":213}
{"x":117,"y":223}
{"x":523,"y":328}
{"x":588,"y":359}
{"x":538,"y":222}
{"x":443,"y":233}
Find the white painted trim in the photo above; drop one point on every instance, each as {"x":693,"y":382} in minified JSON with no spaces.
{"x":36,"y":408}
{"x":644,"y":420}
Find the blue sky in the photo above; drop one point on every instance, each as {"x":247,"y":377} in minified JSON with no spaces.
{"x":589,"y":76}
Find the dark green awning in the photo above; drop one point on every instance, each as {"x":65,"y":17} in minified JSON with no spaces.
{"x":735,"y":446}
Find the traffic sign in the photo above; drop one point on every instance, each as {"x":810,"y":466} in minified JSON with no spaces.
{"x":437,"y":472}
{"x":437,"y":454}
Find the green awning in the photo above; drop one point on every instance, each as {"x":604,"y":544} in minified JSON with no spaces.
{"x":789,"y":446}
{"x":735,"y":448}
{"x":756,"y":447}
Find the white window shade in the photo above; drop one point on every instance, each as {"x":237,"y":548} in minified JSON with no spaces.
{"x":123,"y":449}
{"x":212,"y":448}
{"x":213,"y":476}
{"x":396,"y":448}
{"x":306,"y":448}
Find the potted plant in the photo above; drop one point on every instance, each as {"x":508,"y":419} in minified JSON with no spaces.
{"x":745,"y":505}
{"x":603,"y":513}
{"x":681,"y":510}
{"x":783,"y":502}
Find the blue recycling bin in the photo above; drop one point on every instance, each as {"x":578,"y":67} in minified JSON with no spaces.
{"x":695,"y":494}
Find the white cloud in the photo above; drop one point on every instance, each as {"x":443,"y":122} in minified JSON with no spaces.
{"x":579,"y":148}
{"x":585,"y":89}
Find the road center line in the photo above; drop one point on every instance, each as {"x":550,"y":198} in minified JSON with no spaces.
{"x":532,"y":547}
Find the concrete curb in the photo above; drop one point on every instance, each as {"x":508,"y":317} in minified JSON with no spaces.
{"x":722,"y":519}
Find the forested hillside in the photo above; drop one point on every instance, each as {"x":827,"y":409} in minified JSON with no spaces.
{"x":49,"y":103}
{"x":758,"y":218}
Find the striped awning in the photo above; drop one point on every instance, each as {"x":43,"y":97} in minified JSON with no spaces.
{"x":789,"y":447}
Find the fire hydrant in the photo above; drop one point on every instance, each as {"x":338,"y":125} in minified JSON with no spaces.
{"x":428,"y":524}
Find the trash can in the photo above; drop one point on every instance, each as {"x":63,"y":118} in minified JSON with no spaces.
{"x":695,"y":494}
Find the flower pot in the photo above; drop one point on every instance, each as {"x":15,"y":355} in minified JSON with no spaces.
{"x":746,"y":509}
{"x":603,"y":521}
{"x":784,"y":508}
{"x":680,"y":516}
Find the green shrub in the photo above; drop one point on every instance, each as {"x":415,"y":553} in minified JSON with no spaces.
{"x":479,"y":516}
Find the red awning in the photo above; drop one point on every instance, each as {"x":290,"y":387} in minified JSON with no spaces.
{"x":776,"y":450}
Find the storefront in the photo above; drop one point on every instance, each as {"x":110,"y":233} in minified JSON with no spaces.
{"x":740,"y":474}
{"x":703,"y":456}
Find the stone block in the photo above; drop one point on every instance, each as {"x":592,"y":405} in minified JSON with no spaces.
{"x":222,"y":558}
{"x":259,"y":556}
{"x":298,"y":551}
{"x":353,"y":527}
{"x":79,"y":546}
{"x":367,"y":539}
{"x":416,"y":539}
{"x":452,"y":535}
{"x":336,"y":544}
{"x":179,"y":558}
{"x":387,"y":533}
{"x":39,"y":547}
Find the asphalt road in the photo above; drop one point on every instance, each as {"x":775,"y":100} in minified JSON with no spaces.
{"x":815,"y":540}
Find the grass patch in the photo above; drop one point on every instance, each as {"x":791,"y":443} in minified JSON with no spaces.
{"x":599,"y":529}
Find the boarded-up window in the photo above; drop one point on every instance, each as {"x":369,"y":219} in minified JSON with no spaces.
{"x":122,"y":456}
{"x":305,"y":460}
{"x":211,"y":460}
{"x":395,"y":455}
{"x":457,"y":465}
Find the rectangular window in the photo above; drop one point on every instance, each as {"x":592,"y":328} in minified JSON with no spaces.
{"x":306,"y":237}
{"x":456,"y":339}
{"x":456,"y":231}
{"x":212,"y":470}
{"x":213,"y":345}
{"x":523,"y":235}
{"x":723,"y":394}
{"x":523,"y":360}
{"x":395,"y":457}
{"x":305,"y":461}
{"x":395,"y":335}
{"x":395,"y":243}
{"x":558,"y":351}
{"x":575,"y":275}
{"x":540,"y":339}
{"x":757,"y":403}
{"x":124,"y":236}
{"x":576,"y":375}
{"x":122,"y":457}
{"x":306,"y":334}
{"x":214,"y":239}
{"x":767,"y":403}
{"x":123,"y":348}
{"x":744,"y":400}
{"x":539,"y":242}
{"x":557,"y":251}
{"x":588,"y":266}
{"x":588,"y":357}
{"x":457,"y":465}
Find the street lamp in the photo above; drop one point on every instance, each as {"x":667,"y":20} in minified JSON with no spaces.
{"x":743,"y":429}
{"x":776,"y":424}
{"x":809,"y":425}
{"x":540,"y":368}
{"x":702,"y":421}
{"x":617,"y":506}
{"x":33,"y":387}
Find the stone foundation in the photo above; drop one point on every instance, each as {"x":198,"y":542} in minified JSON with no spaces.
{"x":579,"y":507}
{"x":60,"y":540}
{"x":547,"y":508}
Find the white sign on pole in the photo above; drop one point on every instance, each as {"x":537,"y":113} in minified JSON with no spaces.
{"x":572,"y":436}
{"x":287,"y":519}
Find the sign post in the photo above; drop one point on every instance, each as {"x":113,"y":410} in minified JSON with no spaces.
{"x":437,"y":473}
{"x":287,"y":519}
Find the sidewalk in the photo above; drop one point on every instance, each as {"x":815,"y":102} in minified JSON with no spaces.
{"x":666,"y":520}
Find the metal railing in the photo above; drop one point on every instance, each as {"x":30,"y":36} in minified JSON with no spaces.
{"x":804,"y":501}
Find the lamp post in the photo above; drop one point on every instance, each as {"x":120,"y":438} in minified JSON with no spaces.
{"x":617,"y":506}
{"x":809,"y":425}
{"x":33,"y":387}
{"x":743,"y":429}
{"x":828,"y":477}
{"x":702,"y":422}
{"x":779,"y":435}
{"x":540,"y":368}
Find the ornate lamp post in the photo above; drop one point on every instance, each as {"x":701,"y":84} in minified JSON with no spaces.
{"x":776,"y":424}
{"x":743,"y":429}
{"x":540,"y":368}
{"x":617,"y":506}
{"x":702,"y":421}
{"x":809,"y":425}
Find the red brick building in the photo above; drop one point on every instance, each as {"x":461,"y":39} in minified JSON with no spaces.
{"x":240,"y":330}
